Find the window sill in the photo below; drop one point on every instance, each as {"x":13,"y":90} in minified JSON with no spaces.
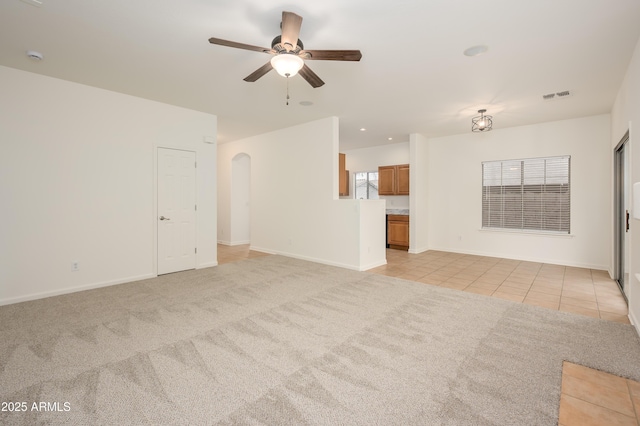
{"x":528,"y":232}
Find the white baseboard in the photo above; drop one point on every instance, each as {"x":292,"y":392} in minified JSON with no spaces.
{"x":233,"y":243}
{"x":418,"y":251}
{"x":42,"y":295}
{"x":634,"y":321}
{"x":526,"y":258}
{"x":308,"y":258}
{"x":373,"y":265}
{"x":207,"y":265}
{"x":322,"y":261}
{"x":262,"y":250}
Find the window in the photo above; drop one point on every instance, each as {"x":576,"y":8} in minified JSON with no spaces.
{"x":529,"y":194}
{"x":367,"y":185}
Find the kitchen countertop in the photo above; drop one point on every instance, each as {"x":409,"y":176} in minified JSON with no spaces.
{"x":398,"y":211}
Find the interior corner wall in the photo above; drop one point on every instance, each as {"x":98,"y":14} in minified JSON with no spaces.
{"x":455,"y":191}
{"x":625,"y":116}
{"x":419,"y":194}
{"x":295,"y":210}
{"x":77,"y":183}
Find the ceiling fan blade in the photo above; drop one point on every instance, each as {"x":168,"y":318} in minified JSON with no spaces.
{"x":332,"y":55}
{"x":291,"y":24}
{"x":259,"y":72}
{"x":237,"y":45}
{"x":311,"y":77}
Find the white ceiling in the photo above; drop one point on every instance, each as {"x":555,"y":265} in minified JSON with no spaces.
{"x":413,"y":77}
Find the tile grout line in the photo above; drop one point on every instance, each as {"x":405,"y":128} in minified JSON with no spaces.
{"x":635,"y":410}
{"x":629,"y":394}
{"x":553,"y":289}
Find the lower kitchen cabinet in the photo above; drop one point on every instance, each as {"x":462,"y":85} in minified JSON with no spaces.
{"x":398,"y":231}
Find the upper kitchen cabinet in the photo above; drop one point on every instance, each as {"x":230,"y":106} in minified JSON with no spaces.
{"x":393,"y":180}
{"x":343,"y":177}
{"x":403,"y":179}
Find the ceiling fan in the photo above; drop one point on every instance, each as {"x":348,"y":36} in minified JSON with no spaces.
{"x":289,"y":54}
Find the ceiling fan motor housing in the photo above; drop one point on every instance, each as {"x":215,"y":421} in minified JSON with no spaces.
{"x":277,"y":45}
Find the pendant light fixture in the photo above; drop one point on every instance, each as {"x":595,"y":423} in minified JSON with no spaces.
{"x":481,"y":123}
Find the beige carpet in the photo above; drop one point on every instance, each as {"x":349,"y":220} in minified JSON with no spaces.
{"x":275,"y":340}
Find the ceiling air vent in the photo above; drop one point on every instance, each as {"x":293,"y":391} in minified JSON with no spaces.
{"x":36,"y":3}
{"x":557,"y":95}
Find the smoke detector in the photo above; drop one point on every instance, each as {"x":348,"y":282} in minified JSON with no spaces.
{"x":557,"y":95}
{"x":36,"y":56}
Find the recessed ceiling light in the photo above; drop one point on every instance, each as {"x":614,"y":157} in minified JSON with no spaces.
{"x":476,"y":50}
{"x":362,"y":129}
{"x":36,"y":56}
{"x":306,"y":103}
{"x":390,"y":139}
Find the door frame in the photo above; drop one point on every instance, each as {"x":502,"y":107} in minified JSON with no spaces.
{"x":620,"y":195}
{"x":154,"y":220}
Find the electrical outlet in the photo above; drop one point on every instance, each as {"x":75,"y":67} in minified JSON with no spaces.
{"x":75,"y":266}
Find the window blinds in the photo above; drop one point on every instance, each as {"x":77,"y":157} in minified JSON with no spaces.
{"x":527,"y":194}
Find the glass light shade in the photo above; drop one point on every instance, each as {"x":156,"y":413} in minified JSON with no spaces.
{"x":286,"y":64}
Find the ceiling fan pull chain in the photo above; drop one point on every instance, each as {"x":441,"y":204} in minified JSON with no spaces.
{"x":287,"y":88}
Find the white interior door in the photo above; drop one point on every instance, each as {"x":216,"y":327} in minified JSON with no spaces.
{"x":176,"y":210}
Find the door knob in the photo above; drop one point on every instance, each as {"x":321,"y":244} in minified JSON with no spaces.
{"x":164,"y":218}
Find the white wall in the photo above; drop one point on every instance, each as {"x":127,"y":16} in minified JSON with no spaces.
{"x":372,"y":233}
{"x":240,"y":200}
{"x":419,"y":194}
{"x":77,"y":183}
{"x":625,"y":116}
{"x":368,"y":160}
{"x":295,"y":210}
{"x":455,"y":186}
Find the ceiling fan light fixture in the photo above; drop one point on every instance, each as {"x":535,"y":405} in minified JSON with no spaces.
{"x":287,"y":64}
{"x":482,"y":123}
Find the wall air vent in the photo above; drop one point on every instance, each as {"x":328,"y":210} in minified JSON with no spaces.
{"x":556,"y":95}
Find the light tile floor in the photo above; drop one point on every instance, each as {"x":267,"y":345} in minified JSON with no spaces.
{"x":577,"y":290}
{"x":594,"y":398}
{"x":589,"y":397}
{"x":227,"y":254}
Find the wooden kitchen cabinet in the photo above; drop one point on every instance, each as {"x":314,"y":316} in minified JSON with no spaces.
{"x":398,"y":231}
{"x":386,"y":180}
{"x":393,"y":180}
{"x":343,"y":177}
{"x":402,"y":181}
